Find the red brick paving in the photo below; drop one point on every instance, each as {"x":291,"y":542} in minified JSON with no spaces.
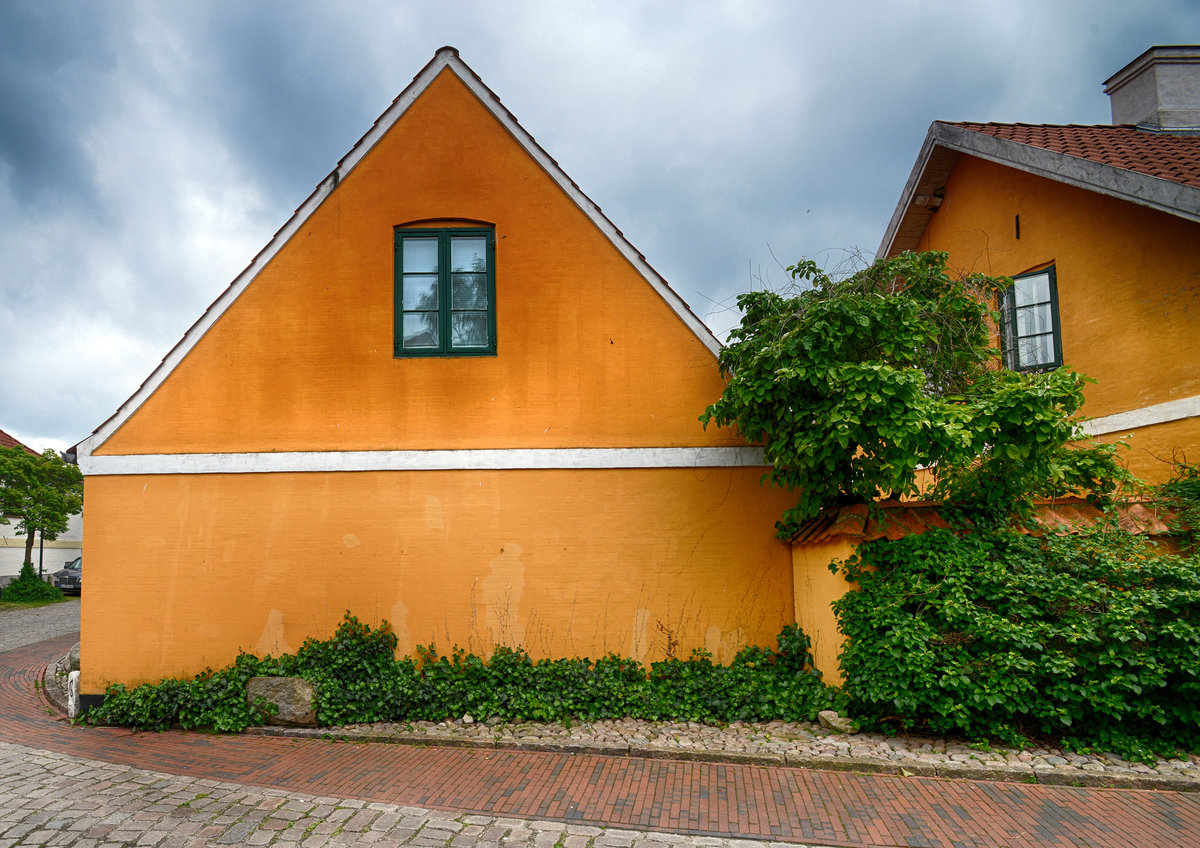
{"x":719,"y":799}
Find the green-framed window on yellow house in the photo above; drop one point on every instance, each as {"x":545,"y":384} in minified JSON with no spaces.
{"x":445,"y":292}
{"x":1032,"y":340}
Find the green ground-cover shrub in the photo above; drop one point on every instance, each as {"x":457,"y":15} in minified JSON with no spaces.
{"x":28,"y":587}
{"x":214,"y":700}
{"x":1093,"y":638}
{"x":359,"y":680}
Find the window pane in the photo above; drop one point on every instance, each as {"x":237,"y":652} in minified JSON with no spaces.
{"x":468,"y":291}
{"x":420,"y":329}
{"x":420,"y":291}
{"x":1032,"y":289}
{"x":468,"y":253}
{"x":446,"y":288}
{"x":469,"y":329}
{"x":1036,"y":350}
{"x":420,"y":255}
{"x":1032,"y":320}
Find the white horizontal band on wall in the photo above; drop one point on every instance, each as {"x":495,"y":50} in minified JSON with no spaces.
{"x":19,"y":542}
{"x":509,"y":459}
{"x":1159,"y":413}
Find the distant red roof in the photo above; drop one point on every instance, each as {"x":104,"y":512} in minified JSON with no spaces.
{"x":1168,"y":157}
{"x":7,"y":441}
{"x":894,"y":520}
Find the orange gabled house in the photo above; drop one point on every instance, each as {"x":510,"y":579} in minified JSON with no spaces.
{"x":450,"y":394}
{"x":1099,"y":227}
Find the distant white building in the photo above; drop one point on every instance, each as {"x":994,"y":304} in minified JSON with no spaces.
{"x":51,"y":555}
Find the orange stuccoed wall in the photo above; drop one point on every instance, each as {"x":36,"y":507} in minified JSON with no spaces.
{"x":1128,"y":289}
{"x":565,"y":563}
{"x":589,"y":355}
{"x":186,"y":570}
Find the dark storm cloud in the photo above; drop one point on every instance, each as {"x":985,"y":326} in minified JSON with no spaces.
{"x":280,"y":92}
{"x":149,"y":149}
{"x":287,"y":86}
{"x":48,"y":60}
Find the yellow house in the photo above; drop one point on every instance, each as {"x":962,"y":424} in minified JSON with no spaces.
{"x":1099,"y":227}
{"x":448,"y":393}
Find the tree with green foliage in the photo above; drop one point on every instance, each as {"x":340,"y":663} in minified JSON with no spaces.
{"x":41,"y":491}
{"x":886,"y":384}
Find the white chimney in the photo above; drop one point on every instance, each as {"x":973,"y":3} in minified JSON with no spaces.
{"x":1159,"y":90}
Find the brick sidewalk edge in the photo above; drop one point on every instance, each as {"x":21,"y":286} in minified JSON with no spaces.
{"x":53,"y":691}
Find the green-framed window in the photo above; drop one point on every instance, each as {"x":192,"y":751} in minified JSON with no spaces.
{"x":445,"y":292}
{"x":1032,"y":340}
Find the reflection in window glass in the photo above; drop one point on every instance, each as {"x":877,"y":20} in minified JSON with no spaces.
{"x":1033,"y":319}
{"x":420,"y":329}
{"x":1036,"y":350}
{"x":420,"y":255}
{"x":1030,"y":290}
{"x":420,"y":291}
{"x":470,"y":329}
{"x":470,"y":291}
{"x":1029,"y":315}
{"x":468,"y":254}
{"x":445,"y":292}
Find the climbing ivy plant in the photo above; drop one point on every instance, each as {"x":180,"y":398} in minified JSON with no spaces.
{"x":1092,"y":638}
{"x":358,"y":679}
{"x":886,"y":383}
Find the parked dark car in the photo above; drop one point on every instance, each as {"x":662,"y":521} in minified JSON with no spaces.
{"x":70,"y":579}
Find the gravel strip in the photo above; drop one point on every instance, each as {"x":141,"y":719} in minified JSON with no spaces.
{"x":800,"y":744}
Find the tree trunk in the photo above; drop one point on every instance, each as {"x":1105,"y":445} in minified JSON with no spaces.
{"x":31,"y":533}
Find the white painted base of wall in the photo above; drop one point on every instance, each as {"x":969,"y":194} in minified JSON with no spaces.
{"x":73,"y":695}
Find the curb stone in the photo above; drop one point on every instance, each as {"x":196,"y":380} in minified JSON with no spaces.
{"x":54,"y":684}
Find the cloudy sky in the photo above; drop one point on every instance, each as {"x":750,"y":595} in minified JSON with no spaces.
{"x":149,"y":149}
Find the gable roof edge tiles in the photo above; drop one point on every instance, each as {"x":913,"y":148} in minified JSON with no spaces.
{"x":7,"y":441}
{"x":444,"y":58}
{"x":946,"y":141}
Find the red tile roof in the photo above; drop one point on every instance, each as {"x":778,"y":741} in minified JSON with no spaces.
{"x":7,"y":441}
{"x":893,"y":520}
{"x":1170,"y":157}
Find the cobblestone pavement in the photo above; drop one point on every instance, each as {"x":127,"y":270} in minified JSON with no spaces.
{"x":37,"y":624}
{"x":91,"y":787}
{"x":51,"y":798}
{"x":48,"y":798}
